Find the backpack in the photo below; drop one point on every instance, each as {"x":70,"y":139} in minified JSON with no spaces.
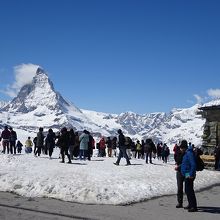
{"x":199,"y":163}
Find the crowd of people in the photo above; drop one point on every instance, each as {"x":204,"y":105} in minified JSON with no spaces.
{"x":81,"y":145}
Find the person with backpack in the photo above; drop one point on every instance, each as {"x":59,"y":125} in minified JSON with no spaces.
{"x":188,"y":170}
{"x":149,"y":148}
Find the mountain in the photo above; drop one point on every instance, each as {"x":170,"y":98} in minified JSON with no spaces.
{"x":2,"y":104}
{"x":40,"y":93}
{"x":177,"y":125}
{"x":39,"y":105}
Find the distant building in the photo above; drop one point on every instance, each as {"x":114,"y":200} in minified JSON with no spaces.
{"x":211,"y":132}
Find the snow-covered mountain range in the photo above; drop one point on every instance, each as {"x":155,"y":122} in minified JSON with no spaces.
{"x":39,"y":105}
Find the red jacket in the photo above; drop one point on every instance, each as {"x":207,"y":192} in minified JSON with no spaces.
{"x":102,"y":143}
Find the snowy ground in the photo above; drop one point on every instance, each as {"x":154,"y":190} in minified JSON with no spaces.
{"x":93,"y":182}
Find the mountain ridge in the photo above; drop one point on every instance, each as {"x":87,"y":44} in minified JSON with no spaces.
{"x":39,"y":105}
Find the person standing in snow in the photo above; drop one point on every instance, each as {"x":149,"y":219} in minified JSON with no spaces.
{"x":133,"y":149}
{"x":179,"y":177}
{"x":114,"y":146}
{"x":91,"y":145}
{"x":109,"y":146}
{"x":138,"y":149}
{"x":176,"y":149}
{"x":188,"y":170}
{"x":5,"y":137}
{"x":40,"y":142}
{"x":63,"y":143}
{"x":35,"y":144}
{"x":102,"y":147}
{"x":83,"y":147}
{"x":122,"y":149}
{"x":19,"y":146}
{"x":13,"y":138}
{"x":72,"y":138}
{"x":149,"y":147}
{"x":76,"y":145}
{"x":50,"y":141}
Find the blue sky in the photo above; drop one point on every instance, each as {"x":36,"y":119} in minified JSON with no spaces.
{"x":116,"y":55}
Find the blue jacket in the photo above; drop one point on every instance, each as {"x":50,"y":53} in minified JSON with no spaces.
{"x":188,"y":165}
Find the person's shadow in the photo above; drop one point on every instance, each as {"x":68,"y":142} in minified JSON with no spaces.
{"x":213,"y":210}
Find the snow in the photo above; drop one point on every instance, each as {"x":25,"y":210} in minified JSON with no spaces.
{"x":97,"y":181}
{"x":215,"y":102}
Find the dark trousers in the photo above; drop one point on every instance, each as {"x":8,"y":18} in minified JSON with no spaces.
{"x":65,"y":151}
{"x":138,"y":153}
{"x":149,"y":154}
{"x":76,"y":151}
{"x":5,"y":143}
{"x":38,"y":151}
{"x":83,"y":154}
{"x":122,"y":153}
{"x":50,"y":151}
{"x":179,"y":180}
{"x":35,"y":148}
{"x":12,"y":146}
{"x":189,"y":190}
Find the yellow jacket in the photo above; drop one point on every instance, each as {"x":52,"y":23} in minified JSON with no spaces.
{"x":28,"y":143}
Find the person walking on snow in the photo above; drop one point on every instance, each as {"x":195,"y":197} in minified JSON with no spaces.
{"x":122,"y":149}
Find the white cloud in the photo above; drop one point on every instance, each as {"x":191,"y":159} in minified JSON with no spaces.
{"x":198,"y":98}
{"x":24,"y":74}
{"x":214,"y":93}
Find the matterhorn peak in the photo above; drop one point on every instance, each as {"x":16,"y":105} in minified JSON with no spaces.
{"x":40,"y":71}
{"x":38,"y":95}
